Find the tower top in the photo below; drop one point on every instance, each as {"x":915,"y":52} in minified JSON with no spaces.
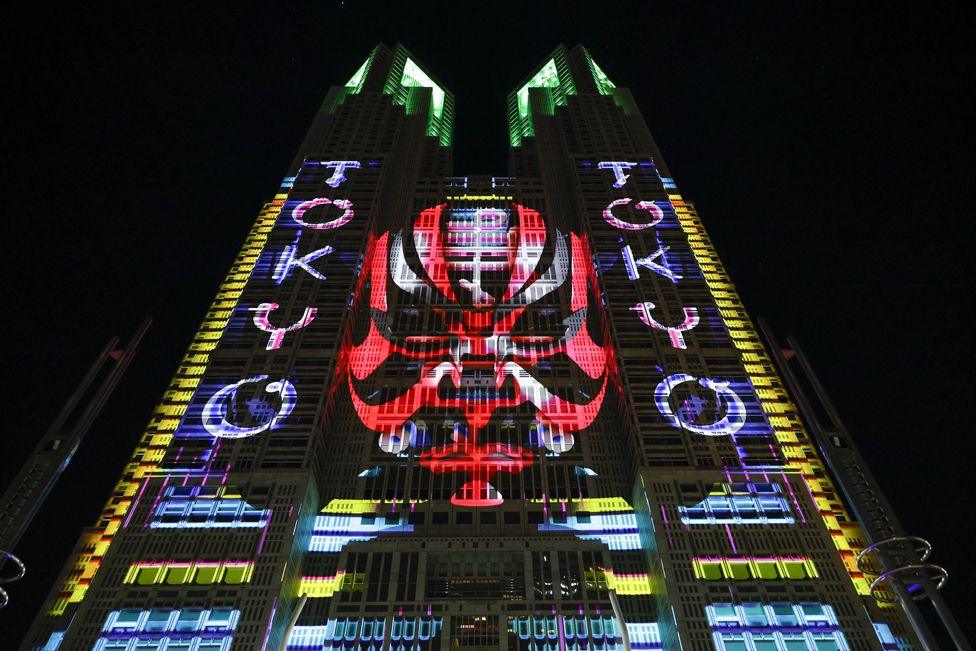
{"x":564,"y":73}
{"x":397,"y":72}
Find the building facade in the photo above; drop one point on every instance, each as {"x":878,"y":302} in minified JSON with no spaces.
{"x":521,"y":412}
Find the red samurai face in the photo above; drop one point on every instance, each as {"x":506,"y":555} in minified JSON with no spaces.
{"x":478,"y":274}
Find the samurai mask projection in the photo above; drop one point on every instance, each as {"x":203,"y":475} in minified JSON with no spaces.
{"x":475,"y":276}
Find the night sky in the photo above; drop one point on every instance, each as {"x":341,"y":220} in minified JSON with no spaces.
{"x":823,"y":147}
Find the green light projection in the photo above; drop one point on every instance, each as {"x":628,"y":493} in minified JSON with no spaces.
{"x":413,"y":77}
{"x":547,"y":77}
{"x":555,"y":77}
{"x":603,"y":83}
{"x":405,"y":75}
{"x":356,"y":82}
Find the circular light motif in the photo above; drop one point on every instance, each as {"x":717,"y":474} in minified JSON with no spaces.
{"x":298,"y":214}
{"x":215,"y":411}
{"x":656,"y":215}
{"x":729,"y":424}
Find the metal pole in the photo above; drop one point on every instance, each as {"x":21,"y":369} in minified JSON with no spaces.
{"x":935,"y":596}
{"x":620,"y":618}
{"x":915,"y":617}
{"x":55,"y":449}
{"x":32,"y":484}
{"x":292,"y":621}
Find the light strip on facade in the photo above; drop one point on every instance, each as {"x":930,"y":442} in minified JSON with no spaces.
{"x":800,"y":454}
{"x":168,"y":414}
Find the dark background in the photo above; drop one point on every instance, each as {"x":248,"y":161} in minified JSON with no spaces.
{"x":822,"y":145}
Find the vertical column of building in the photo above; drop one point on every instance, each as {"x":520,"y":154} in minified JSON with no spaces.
{"x":204,"y":538}
{"x":617,"y":580}
{"x":362,"y":590}
{"x":91,"y":549}
{"x":221,"y":521}
{"x":743,"y":532}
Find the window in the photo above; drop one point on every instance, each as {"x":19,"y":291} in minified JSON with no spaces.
{"x":794,"y":569}
{"x":725,"y":614}
{"x":158,"y":620}
{"x":734,"y":642}
{"x":236,"y":574}
{"x":710,"y":570}
{"x":815,"y":614}
{"x":766,"y":570}
{"x":764,"y":642}
{"x":206,"y":574}
{"x":795,"y":643}
{"x":754,"y":615}
{"x":738,"y":570}
{"x":783,"y":615}
{"x":148,"y":575}
{"x":177,"y":574}
{"x":127,"y":619}
{"x":188,"y":620}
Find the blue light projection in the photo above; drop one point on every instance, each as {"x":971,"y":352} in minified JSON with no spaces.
{"x":216,"y":410}
{"x":619,"y":171}
{"x":560,"y":632}
{"x":287,"y":261}
{"x":730,"y":423}
{"x":187,"y":629}
{"x":339,"y":168}
{"x":194,"y":507}
{"x":338,"y":634}
{"x":618,"y":530}
{"x":54,"y":641}
{"x":889,"y":641}
{"x":631,"y":264}
{"x":769,"y":627}
{"x":691,"y":319}
{"x":752,"y":503}
{"x":333,"y":532}
{"x":261,"y":321}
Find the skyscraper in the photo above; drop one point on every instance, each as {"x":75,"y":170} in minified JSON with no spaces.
{"x":517,"y":412}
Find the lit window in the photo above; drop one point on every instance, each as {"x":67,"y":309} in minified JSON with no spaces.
{"x":710,"y":570}
{"x":236,"y":574}
{"x":783,"y":615}
{"x":815,"y":614}
{"x":754,"y":614}
{"x":794,"y":569}
{"x":127,"y":619}
{"x":206,"y":574}
{"x":734,"y":642}
{"x":738,"y":570}
{"x":795,"y":643}
{"x":764,"y":642}
{"x":725,"y":614}
{"x":158,"y":620}
{"x":177,"y":574}
{"x":189,"y":620}
{"x":766,"y":570}
{"x":148,"y":575}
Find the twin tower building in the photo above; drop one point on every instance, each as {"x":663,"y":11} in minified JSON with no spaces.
{"x":441,"y":412}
